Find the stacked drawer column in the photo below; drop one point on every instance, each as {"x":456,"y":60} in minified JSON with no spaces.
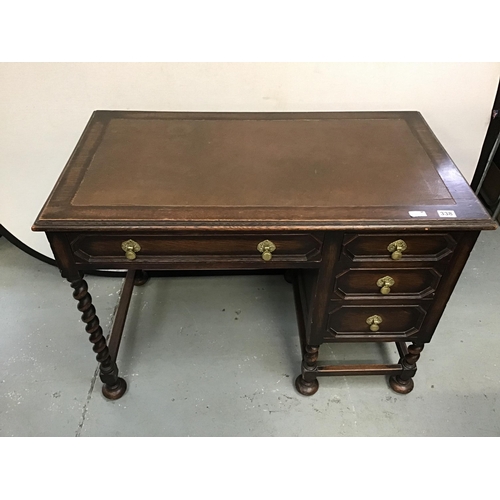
{"x":384,"y":287}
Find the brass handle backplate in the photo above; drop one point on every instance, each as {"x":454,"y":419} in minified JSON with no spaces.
{"x":385,"y":284}
{"x":374,"y":321}
{"x":266,"y":248}
{"x":131,"y":247}
{"x":397,"y":248}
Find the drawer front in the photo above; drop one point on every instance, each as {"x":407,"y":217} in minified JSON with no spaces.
{"x":374,"y":322}
{"x":362,"y":282}
{"x":418,"y":247}
{"x":196,"y":248}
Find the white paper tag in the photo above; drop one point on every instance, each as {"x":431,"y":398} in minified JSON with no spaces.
{"x":417,"y":213}
{"x":446,"y":213}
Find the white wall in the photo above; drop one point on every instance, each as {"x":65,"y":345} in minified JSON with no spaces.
{"x":45,"y":106}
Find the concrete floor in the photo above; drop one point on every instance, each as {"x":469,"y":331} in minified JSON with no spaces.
{"x":217,"y":356}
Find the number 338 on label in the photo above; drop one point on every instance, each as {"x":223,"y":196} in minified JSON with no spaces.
{"x":446,"y":213}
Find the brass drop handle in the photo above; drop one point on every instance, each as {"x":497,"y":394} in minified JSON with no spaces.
{"x":385,"y":284}
{"x":131,"y":247}
{"x":374,"y":321}
{"x":266,"y":248}
{"x":397,"y":248}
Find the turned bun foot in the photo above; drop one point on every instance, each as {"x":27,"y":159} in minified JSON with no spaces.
{"x":141,"y":278}
{"x":116,"y":391}
{"x":401,"y":386}
{"x":306,"y":388}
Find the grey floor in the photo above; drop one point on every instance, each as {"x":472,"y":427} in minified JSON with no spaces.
{"x":217,"y":356}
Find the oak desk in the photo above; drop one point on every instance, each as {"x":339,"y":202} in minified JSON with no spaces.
{"x":366,"y":211}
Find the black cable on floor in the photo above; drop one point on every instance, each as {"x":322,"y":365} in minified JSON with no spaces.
{"x":47,"y":260}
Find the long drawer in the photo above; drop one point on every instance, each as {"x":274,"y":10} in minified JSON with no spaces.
{"x":263,"y":248}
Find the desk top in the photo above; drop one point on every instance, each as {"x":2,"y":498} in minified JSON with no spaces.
{"x":156,"y":170}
